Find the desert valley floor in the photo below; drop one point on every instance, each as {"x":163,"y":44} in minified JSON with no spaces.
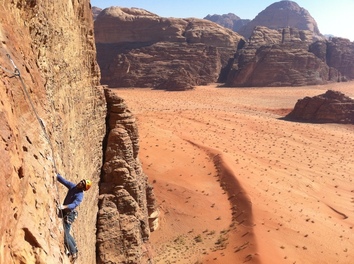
{"x":236,"y":183}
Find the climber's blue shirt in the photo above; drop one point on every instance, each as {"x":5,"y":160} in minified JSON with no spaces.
{"x":74,"y":196}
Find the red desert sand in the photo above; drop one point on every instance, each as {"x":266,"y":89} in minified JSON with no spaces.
{"x":235,"y":183}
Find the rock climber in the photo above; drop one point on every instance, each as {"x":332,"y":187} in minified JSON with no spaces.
{"x":72,"y":200}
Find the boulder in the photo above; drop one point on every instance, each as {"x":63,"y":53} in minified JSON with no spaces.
{"x":179,"y":80}
{"x":331,"y":107}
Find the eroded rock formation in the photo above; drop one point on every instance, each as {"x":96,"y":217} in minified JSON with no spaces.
{"x":229,"y":20}
{"x":340,"y":55}
{"x":330,"y":107}
{"x":126,"y":200}
{"x":52,"y":44}
{"x":284,"y":47}
{"x":283,"y":14}
{"x":136,"y":48}
{"x":279,"y":58}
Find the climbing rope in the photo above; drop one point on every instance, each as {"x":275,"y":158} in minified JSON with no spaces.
{"x":16,"y":73}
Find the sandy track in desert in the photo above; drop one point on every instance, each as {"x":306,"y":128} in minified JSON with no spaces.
{"x":235,"y":183}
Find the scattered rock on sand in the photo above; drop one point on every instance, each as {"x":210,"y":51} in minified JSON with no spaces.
{"x":330,"y":107}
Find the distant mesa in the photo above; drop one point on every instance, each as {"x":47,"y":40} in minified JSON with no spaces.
{"x":96,"y":11}
{"x":136,"y":48}
{"x":229,"y":20}
{"x":331,"y":107}
{"x":283,"y":14}
{"x":289,"y":57}
{"x":282,"y":46}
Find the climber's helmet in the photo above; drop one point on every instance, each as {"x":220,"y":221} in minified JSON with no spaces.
{"x":85,"y":184}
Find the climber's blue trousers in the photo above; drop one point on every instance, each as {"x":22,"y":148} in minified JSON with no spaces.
{"x":70,"y":243}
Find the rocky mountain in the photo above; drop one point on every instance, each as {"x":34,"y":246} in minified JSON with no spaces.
{"x":53,"y":47}
{"x":339,"y":55}
{"x":96,"y":11}
{"x":283,"y":14}
{"x":53,"y":119}
{"x":229,"y":20}
{"x":281,"y":57}
{"x":136,"y":48}
{"x":285,"y":48}
{"x":127,"y":211}
{"x":331,"y":107}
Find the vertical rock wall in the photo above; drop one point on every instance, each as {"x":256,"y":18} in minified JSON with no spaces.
{"x":126,"y":200}
{"x":52,"y":44}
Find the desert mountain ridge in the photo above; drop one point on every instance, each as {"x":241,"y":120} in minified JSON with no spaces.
{"x":283,"y":14}
{"x":136,"y":48}
{"x":290,"y":13}
{"x":229,"y":20}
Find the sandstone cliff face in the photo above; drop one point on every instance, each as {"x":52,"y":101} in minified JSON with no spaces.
{"x":279,"y":58}
{"x":340,"y":55}
{"x":126,"y":199}
{"x":59,"y":127}
{"x":331,"y":107}
{"x":52,"y":44}
{"x":136,"y":48}
{"x":283,"y":14}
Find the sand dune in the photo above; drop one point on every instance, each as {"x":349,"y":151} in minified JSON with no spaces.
{"x":235,"y":183}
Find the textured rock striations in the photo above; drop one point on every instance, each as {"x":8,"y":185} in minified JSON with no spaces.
{"x":283,"y":14}
{"x":285,"y":48}
{"x":331,"y":107}
{"x":276,"y":58}
{"x":340,"y":55}
{"x":280,"y":58}
{"x":337,"y":53}
{"x":136,"y":48}
{"x":52,"y":44}
{"x":126,"y":199}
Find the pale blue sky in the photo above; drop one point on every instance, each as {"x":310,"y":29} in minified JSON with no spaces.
{"x":332,"y":16}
